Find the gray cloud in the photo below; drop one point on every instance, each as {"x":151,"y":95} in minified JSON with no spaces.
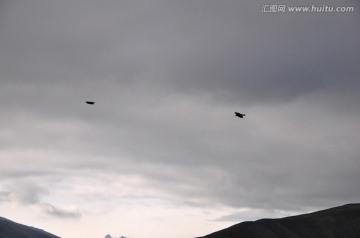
{"x":29,"y":192}
{"x":4,"y":196}
{"x":60,"y":213}
{"x":25,"y":192}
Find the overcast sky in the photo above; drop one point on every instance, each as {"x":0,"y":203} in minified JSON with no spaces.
{"x":161,"y":154}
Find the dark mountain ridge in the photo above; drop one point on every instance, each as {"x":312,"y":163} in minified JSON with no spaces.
{"x":337,"y":222}
{"x":10,"y":229}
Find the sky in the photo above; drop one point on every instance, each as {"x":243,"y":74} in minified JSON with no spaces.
{"x":161,"y":154}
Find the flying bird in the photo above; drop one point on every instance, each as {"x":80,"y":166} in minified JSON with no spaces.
{"x":237,"y":114}
{"x":90,"y":102}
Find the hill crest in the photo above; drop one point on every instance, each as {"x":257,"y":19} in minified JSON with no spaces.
{"x":11,"y":229}
{"x":337,"y":222}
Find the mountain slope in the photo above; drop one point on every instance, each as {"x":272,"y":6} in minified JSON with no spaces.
{"x":338,"y":222}
{"x":10,"y":229}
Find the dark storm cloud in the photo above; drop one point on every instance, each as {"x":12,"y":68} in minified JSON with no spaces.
{"x":179,"y":47}
{"x":166,"y":78}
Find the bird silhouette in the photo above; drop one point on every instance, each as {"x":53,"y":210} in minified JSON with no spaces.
{"x":238,"y":114}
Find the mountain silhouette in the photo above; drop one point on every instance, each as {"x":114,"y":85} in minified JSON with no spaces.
{"x":10,"y":229}
{"x":337,"y":222}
